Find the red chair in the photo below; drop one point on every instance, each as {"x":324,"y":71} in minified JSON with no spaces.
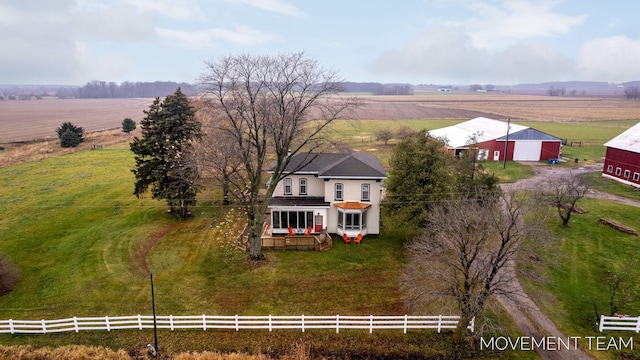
{"x":346,"y":239}
{"x":358,"y":239}
{"x":291,"y":232}
{"x":308,"y":232}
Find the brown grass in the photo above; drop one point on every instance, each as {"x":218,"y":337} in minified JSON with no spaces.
{"x":18,"y":153}
{"x":76,"y":352}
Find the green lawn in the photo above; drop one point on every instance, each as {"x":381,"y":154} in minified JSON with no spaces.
{"x":571,"y":274}
{"x":84,"y":244}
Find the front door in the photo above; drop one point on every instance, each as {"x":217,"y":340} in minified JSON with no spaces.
{"x":318,"y":223}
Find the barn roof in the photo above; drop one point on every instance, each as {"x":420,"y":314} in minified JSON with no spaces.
{"x":486,"y":129}
{"x":530,"y":134}
{"x":628,"y":140}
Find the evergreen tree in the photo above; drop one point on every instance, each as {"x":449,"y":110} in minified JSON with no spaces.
{"x":420,"y":177}
{"x":163,"y":158}
{"x":128,"y":125}
{"x":70,"y":135}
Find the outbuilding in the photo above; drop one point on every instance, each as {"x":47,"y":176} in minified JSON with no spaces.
{"x":496,"y":139}
{"x":622,"y":159}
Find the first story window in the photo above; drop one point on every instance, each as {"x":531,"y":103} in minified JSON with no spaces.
{"x":636,"y":176}
{"x":627,"y":173}
{"x":610,"y":169}
{"x":295,"y":219}
{"x":352,"y":220}
{"x":618,"y":171}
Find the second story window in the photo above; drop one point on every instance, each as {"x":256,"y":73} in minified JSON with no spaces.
{"x":303,"y":186}
{"x":287,"y":186}
{"x":339,"y":192}
{"x":365,"y":193}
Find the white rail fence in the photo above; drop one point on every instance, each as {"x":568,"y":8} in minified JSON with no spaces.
{"x":237,"y":323}
{"x":624,"y":323}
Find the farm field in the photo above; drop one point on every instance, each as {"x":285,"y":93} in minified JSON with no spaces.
{"x":37,"y":119}
{"x":26,"y":120}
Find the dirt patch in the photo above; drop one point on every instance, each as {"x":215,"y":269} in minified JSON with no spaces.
{"x":140,"y":263}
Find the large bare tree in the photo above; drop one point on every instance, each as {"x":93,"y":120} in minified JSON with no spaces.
{"x":272,"y":106}
{"x":462,"y":256}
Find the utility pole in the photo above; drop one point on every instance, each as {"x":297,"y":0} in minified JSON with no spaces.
{"x":155,"y":326}
{"x":506,"y":144}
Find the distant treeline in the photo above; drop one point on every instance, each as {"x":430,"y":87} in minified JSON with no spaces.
{"x":378,"y":88}
{"x":103,"y":89}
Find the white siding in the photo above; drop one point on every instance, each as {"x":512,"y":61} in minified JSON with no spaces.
{"x":315,"y":186}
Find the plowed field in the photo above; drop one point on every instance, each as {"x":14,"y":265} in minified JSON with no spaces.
{"x":37,"y":119}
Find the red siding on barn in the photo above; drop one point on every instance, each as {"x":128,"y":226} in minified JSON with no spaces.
{"x":550,"y":150}
{"x":499,"y":146}
{"x":623,"y":165}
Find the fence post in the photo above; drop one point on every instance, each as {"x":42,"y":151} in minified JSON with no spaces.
{"x":237,"y":325}
{"x":204,"y":322}
{"x":405,"y":323}
{"x":370,"y":324}
{"x":106,"y":320}
{"x":11,"y":326}
{"x":302,"y":321}
{"x":337,"y":323}
{"x":601,"y":326}
{"x":637,"y":324}
{"x":270,"y":325}
{"x":440,"y":323}
{"x":473,"y":324}
{"x":139,"y":322}
{"x":44,"y":327}
{"x":75,"y":324}
{"x":171,"y":322}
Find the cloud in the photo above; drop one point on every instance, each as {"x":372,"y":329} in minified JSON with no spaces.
{"x":516,"y":20}
{"x":275,"y":6}
{"x":448,"y":54}
{"x":172,"y":9}
{"x":241,"y":35}
{"x":614,"y":58}
{"x":497,"y":45}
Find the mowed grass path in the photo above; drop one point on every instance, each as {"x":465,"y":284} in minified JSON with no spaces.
{"x":84,"y":244}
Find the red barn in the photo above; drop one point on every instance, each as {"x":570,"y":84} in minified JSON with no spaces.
{"x":622,"y":160}
{"x":496,"y":138}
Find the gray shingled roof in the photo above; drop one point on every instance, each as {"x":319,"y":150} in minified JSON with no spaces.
{"x":338,"y":165}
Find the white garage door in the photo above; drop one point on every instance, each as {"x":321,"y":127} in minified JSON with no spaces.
{"x":527,"y":150}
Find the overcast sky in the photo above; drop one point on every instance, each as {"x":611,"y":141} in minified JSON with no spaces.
{"x":415,"y":41}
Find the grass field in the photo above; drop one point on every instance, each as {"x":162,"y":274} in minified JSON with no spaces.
{"x":84,"y":246}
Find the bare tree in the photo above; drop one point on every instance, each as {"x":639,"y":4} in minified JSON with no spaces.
{"x":464,"y":251}
{"x":275,"y":106}
{"x":563,"y":192}
{"x":217,"y":153}
{"x":384,"y":135}
{"x":405,"y":132}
